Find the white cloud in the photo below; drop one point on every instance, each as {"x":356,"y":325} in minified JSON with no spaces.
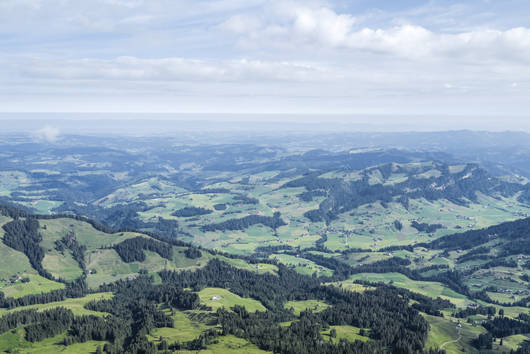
{"x":48,"y":133}
{"x":321,"y":27}
{"x":304,"y":54}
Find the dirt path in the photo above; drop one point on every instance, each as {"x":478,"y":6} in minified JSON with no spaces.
{"x":451,"y":341}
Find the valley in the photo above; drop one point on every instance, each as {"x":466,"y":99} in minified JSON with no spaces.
{"x":448,"y":236}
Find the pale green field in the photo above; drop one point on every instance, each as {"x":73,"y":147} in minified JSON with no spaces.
{"x":76,"y":305}
{"x":15,"y":263}
{"x":14,"y":342}
{"x":351,"y":286}
{"x":511,"y":342}
{"x":110,"y":267}
{"x":229,"y":345}
{"x":132,"y":192}
{"x":443,"y":330}
{"x":302,"y":265}
{"x":42,"y":206}
{"x":36,"y":285}
{"x":185,"y":329}
{"x":86,"y":235}
{"x":61,"y":265}
{"x":299,"y":306}
{"x":260,"y":268}
{"x":427,"y":288}
{"x":348,"y":333}
{"x":217,"y":298}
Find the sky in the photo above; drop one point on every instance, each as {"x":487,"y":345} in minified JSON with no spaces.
{"x":343,"y":57}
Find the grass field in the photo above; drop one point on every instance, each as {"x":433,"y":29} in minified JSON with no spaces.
{"x":185,"y":327}
{"x":348,"y":333}
{"x":302,"y":265}
{"x":36,"y":285}
{"x":14,"y":342}
{"x":444,"y":331}
{"x":76,"y":305}
{"x":427,"y":288}
{"x":511,"y":342}
{"x":217,"y":298}
{"x":350,"y":285}
{"x":230,"y":345}
{"x":61,"y":265}
{"x":299,"y":306}
{"x":86,"y":235}
{"x":15,"y":264}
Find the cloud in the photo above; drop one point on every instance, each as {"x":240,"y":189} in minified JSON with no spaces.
{"x":48,"y":133}
{"x":308,"y":55}
{"x":321,"y":27}
{"x":175,"y":69}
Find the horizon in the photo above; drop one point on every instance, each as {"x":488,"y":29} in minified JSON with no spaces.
{"x":83,"y":122}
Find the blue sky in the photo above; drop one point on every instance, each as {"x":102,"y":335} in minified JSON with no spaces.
{"x":264,"y":56}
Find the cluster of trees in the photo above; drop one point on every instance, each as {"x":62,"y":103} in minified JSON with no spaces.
{"x":510,"y":231}
{"x":69,"y":242}
{"x":483,"y":341}
{"x":473,"y":254}
{"x":273,"y":291}
{"x":219,"y":206}
{"x":501,"y":326}
{"x":479,"y":310}
{"x":243,"y":199}
{"x":38,"y":324}
{"x":201,"y":342}
{"x":309,"y":195}
{"x":132,"y":250}
{"x":77,"y":288}
{"x":23,"y":235}
{"x":394,"y":326}
{"x":193,"y":253}
{"x":54,"y":323}
{"x":117,"y":217}
{"x":213,"y":191}
{"x":243,"y":223}
{"x":13,"y":212}
{"x":424,"y":227}
{"x":134,"y":311}
{"x":191,"y":211}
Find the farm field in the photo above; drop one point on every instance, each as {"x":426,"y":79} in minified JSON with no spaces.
{"x":14,"y":340}
{"x":348,"y":333}
{"x":75,"y":304}
{"x":299,"y":306}
{"x":431,"y":289}
{"x":218,"y":297}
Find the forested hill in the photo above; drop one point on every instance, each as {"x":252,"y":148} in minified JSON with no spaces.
{"x":60,"y":249}
{"x":511,"y":237}
{"x":431,"y":182}
{"x":89,"y":288}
